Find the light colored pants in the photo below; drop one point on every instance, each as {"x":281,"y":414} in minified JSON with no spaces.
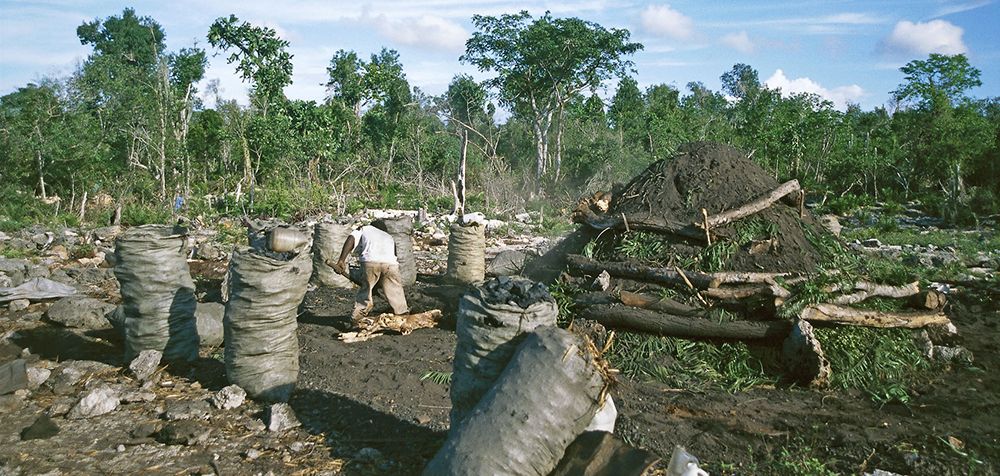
{"x":384,"y":275}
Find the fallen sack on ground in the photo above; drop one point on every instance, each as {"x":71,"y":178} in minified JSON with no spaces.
{"x":491,"y":321}
{"x":261,"y":345}
{"x":157,"y":293}
{"x":37,"y":289}
{"x":542,"y":401}
{"x":467,"y":253}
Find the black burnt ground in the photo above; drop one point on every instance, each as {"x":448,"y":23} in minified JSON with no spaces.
{"x":718,"y":178}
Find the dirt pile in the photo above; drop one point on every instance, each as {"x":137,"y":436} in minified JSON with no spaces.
{"x":719,"y":178}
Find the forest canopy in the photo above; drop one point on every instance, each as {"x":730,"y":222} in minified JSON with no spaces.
{"x":129,"y":124}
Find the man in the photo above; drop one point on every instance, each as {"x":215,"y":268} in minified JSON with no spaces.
{"x":377,"y":252}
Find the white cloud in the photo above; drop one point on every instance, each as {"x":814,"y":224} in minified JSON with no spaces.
{"x":426,"y":31}
{"x":739,"y":42}
{"x":839,"y":96}
{"x":661,"y":20}
{"x":935,"y":36}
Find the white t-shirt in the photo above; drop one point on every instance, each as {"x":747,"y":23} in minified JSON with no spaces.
{"x":374,"y":245}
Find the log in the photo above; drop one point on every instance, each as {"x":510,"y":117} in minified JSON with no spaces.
{"x":643,"y":320}
{"x":929,"y":299}
{"x":402,"y":323}
{"x":872,"y":318}
{"x":751,"y":207}
{"x":745,"y":291}
{"x":646,"y":222}
{"x":654,"y":303}
{"x":747,"y":277}
{"x":584,"y":265}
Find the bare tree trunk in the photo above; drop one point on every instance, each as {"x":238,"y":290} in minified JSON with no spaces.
{"x":559,"y":134}
{"x":460,"y":193}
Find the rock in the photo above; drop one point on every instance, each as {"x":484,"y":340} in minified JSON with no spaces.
{"x":229,"y":397}
{"x":957,"y":354}
{"x":60,"y":407}
{"x":117,"y":320}
{"x":58,"y":251}
{"x":144,"y":430}
{"x":281,"y":417}
{"x":37,"y":272}
{"x":72,"y":371}
{"x":507,"y":263}
{"x":872,"y":243}
{"x":602,"y":282}
{"x":297,"y":446}
{"x":208,"y":251}
{"x":13,"y":376}
{"x":18,"y":305}
{"x":6,"y":281}
{"x":107,"y":234}
{"x":11,"y":403}
{"x":42,"y":239}
{"x":208,"y":317}
{"x":184,"y":432}
{"x":95,"y":402}
{"x":251,"y":454}
{"x":832,"y":223}
{"x":42,"y":428}
{"x":80,"y":312}
{"x":37,"y":376}
{"x":136,"y":396}
{"x":145,"y":364}
{"x":188,"y":410}
{"x":92,"y":276}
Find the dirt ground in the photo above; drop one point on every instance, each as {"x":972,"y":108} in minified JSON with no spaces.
{"x":367,"y":408}
{"x":405,"y":417}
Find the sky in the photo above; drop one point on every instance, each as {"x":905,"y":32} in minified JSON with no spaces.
{"x":846,"y":51}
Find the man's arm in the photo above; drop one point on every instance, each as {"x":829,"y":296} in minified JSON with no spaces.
{"x":341,"y":265}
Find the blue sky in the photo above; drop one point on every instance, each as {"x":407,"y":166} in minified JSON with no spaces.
{"x":846,"y":51}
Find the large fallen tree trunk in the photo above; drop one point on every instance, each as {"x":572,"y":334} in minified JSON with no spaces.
{"x":747,"y":277}
{"x":743,"y":292}
{"x":646,"y":222}
{"x":643,"y":320}
{"x":586,"y":265}
{"x":872,"y":318}
{"x":752,"y":207}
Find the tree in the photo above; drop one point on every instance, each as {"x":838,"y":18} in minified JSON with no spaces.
{"x":261,"y":58}
{"x":939,"y":78}
{"x":466,"y":105}
{"x":626,"y":111}
{"x":540,"y":64}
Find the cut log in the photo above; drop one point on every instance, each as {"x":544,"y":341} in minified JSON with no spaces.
{"x":929,"y":299}
{"x":584,"y":265}
{"x":646,"y":222}
{"x":747,"y":277}
{"x":871,"y":318}
{"x":745,"y":291}
{"x":654,"y":303}
{"x":804,"y":358}
{"x":866,"y":290}
{"x":643,"y":320}
{"x":751,"y":207}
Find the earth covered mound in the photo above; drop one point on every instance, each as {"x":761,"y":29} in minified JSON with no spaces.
{"x":719,"y":178}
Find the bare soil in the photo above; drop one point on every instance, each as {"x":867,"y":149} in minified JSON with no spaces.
{"x":367,"y":408}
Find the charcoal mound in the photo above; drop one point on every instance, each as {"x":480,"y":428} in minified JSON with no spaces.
{"x":718,"y":177}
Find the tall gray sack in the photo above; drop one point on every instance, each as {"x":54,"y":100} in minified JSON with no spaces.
{"x":262,"y":348}
{"x":328,"y":240}
{"x":467,"y":253}
{"x":487,"y":334}
{"x":157,"y":293}
{"x":401,"y":229}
